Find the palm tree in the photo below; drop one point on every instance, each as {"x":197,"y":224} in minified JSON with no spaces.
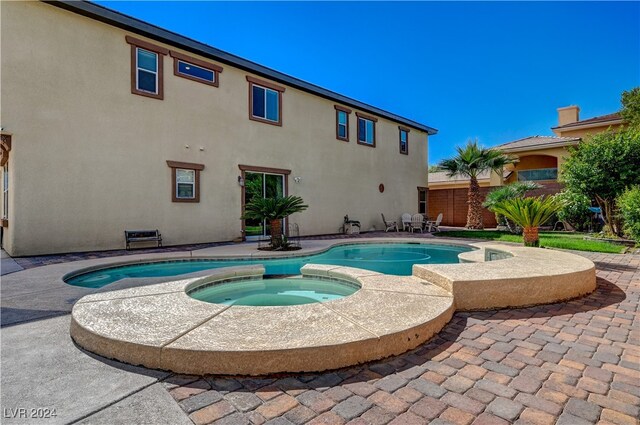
{"x":530,"y":213}
{"x":510,"y":191}
{"x":471,"y":161}
{"x":274,"y":210}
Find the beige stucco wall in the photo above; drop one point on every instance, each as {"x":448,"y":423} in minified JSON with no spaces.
{"x":89,"y":158}
{"x":582,"y":132}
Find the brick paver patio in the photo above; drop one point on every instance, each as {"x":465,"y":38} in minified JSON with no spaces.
{"x":570,"y":363}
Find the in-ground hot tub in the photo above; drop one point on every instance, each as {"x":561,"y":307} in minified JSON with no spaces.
{"x":274,"y":292}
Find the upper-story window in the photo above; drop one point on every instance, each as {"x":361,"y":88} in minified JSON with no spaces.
{"x":146,"y":68}
{"x":342,"y":123}
{"x":147,"y":71}
{"x":265,"y":101}
{"x":195,"y":69}
{"x":404,"y":140}
{"x":366,"y":130}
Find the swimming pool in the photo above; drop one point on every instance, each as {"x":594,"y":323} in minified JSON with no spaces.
{"x":388,"y":258}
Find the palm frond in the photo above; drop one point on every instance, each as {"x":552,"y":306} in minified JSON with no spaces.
{"x":528,"y":212}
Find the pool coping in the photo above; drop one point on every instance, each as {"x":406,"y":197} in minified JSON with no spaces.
{"x":387,"y":316}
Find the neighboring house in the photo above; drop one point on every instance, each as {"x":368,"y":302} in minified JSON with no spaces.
{"x":110,"y":123}
{"x":540,"y":159}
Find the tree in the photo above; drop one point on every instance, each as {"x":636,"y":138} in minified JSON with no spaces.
{"x":471,"y":161}
{"x":529,"y":213}
{"x":274,"y":210}
{"x":510,"y":191}
{"x":434,"y":168}
{"x":631,"y":106}
{"x":602,"y":167}
{"x":630,"y":208}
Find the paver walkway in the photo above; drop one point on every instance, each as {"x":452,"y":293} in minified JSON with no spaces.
{"x":570,"y":363}
{"x":567,"y":363}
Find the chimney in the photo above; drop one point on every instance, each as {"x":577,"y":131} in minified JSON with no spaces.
{"x":568,"y":115}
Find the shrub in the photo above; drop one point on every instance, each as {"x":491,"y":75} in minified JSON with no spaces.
{"x":575,"y":210}
{"x":510,"y":191}
{"x":629,"y":203}
{"x":529,"y":213}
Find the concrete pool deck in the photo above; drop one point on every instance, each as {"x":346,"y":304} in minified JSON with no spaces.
{"x":571,"y":363}
{"x":161,"y":327}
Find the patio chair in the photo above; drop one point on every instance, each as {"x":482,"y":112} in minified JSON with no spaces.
{"x":434,"y":224}
{"x":406,"y":222}
{"x":417,"y":222}
{"x":389,"y":225}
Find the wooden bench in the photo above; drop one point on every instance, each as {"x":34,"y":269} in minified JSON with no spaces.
{"x":142,"y":236}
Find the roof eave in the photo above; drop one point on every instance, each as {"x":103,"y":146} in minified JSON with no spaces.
{"x":541,"y":146}
{"x":576,"y":126}
{"x":111,"y":17}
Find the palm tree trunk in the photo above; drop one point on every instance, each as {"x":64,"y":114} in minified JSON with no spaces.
{"x":531,"y":237}
{"x":276,"y":233}
{"x":474,"y":212}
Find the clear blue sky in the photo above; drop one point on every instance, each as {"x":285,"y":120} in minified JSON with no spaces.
{"x":491,"y":71}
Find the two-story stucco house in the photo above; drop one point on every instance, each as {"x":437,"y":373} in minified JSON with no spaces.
{"x":110,"y":123}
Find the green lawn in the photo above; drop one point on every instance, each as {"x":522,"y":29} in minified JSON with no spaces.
{"x":547,"y":239}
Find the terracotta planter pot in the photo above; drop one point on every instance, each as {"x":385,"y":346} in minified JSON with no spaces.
{"x":531,"y":237}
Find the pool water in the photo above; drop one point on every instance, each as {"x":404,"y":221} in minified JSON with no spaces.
{"x":388,"y":258}
{"x":274,"y":292}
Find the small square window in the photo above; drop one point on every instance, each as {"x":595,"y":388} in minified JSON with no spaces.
{"x":265,"y":101}
{"x":266,"y":104}
{"x":185,"y":181}
{"x":185,"y":184}
{"x":366,"y":131}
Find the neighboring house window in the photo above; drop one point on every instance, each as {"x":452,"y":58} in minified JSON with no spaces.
{"x":404,"y":140}
{"x":366,"y":130}
{"x":265,"y":101}
{"x":422,"y":200}
{"x":342,"y":123}
{"x":185,"y":181}
{"x":539,"y":174}
{"x":195,"y":69}
{"x":146,"y":68}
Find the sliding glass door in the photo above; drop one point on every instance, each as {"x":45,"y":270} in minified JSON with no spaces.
{"x":263,"y":185}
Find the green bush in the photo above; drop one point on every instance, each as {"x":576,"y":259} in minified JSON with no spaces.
{"x":629,"y":203}
{"x":576,"y":209}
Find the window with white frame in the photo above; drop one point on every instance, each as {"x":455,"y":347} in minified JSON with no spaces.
{"x":185,"y":184}
{"x":404,"y":141}
{"x":366,"y":131}
{"x":266,"y":103}
{"x":195,"y":71}
{"x":146,"y":71}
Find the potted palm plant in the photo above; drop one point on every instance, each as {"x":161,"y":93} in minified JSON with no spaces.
{"x":510,"y":191}
{"x":529,"y":213}
{"x":274,"y":210}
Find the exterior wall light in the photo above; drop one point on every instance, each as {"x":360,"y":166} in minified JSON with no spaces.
{"x":297,"y":179}
{"x":240,"y":181}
